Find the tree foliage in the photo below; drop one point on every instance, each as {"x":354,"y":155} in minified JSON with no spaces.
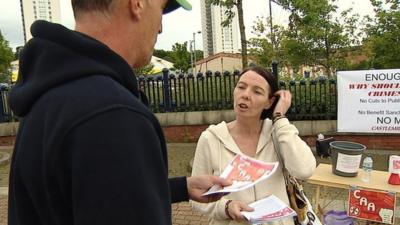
{"x":383,"y":35}
{"x":181,"y":57}
{"x":167,"y":55}
{"x":163,"y":54}
{"x":230,"y":5}
{"x":314,"y":36}
{"x":199,"y":55}
{"x":6,"y":57}
{"x":261,"y":46}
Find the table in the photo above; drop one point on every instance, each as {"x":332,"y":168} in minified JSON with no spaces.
{"x":324,"y":177}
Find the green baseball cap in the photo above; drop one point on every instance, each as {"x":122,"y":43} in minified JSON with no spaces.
{"x":174,"y":4}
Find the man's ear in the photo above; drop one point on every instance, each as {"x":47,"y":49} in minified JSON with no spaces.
{"x":136,"y":8}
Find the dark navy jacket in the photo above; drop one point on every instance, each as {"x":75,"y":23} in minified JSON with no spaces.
{"x":88,"y":151}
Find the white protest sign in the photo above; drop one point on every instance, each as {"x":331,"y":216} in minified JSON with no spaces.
{"x":369,"y":101}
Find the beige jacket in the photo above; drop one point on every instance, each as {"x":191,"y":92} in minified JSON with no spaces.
{"x":216,"y":148}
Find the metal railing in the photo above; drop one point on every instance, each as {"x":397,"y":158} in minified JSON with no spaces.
{"x":312,"y":99}
{"x":186,"y":92}
{"x":6,"y":114}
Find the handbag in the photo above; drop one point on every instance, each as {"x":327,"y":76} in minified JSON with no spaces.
{"x":297,"y":198}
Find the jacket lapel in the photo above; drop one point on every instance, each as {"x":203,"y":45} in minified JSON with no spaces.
{"x":265,"y":136}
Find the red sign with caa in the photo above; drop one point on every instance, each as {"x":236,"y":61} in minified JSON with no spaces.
{"x":372,"y":205}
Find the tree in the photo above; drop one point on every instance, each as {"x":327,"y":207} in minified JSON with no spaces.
{"x":314,"y":36}
{"x":6,"y":57}
{"x":261,"y":47}
{"x":163,"y":54}
{"x":230,"y":14}
{"x":199,"y":55}
{"x":181,"y":57}
{"x":168,"y":55}
{"x":383,"y":35}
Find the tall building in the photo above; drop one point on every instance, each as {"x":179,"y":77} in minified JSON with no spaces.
{"x":217,"y":38}
{"x":32,"y":10}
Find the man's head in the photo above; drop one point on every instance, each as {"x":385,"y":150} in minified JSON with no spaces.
{"x":105,"y":5}
{"x":129,"y":27}
{"x":174,"y":4}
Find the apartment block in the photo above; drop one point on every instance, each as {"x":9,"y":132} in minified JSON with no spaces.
{"x":216,"y":38}
{"x":32,"y":10}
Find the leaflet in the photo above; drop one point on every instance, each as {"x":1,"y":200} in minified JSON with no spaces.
{"x":268,"y":209}
{"x":244,"y":172}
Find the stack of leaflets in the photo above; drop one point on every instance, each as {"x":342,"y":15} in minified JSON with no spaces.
{"x":268,"y":209}
{"x":244,"y":172}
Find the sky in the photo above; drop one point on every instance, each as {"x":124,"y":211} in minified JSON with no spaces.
{"x":177,"y":26}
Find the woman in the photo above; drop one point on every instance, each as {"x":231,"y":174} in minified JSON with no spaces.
{"x":250,"y":134}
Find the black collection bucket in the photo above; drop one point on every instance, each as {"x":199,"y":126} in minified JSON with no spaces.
{"x":346,"y":157}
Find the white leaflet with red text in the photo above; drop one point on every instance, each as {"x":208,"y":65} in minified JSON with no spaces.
{"x":244,"y":172}
{"x":268,"y":209}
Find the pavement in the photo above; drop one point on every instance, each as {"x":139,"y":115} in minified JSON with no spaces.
{"x":3,"y":190}
{"x":179,"y":157}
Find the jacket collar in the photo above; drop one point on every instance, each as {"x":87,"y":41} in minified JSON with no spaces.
{"x":222,"y":133}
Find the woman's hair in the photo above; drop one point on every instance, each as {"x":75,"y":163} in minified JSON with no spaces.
{"x":273,"y":83}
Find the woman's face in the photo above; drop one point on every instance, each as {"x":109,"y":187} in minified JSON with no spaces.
{"x":251,"y":95}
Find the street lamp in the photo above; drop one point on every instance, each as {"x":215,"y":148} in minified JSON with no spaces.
{"x":194,"y":51}
{"x":274,"y":46}
{"x":191,"y":55}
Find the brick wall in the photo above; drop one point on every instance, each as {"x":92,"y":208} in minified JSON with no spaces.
{"x":375,"y":142}
{"x":191,"y":133}
{"x":184,"y":133}
{"x":7,"y":140}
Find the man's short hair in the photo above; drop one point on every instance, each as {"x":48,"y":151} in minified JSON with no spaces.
{"x":90,"y":5}
{"x":105,"y":5}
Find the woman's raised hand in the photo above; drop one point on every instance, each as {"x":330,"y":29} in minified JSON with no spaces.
{"x":284,"y":99}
